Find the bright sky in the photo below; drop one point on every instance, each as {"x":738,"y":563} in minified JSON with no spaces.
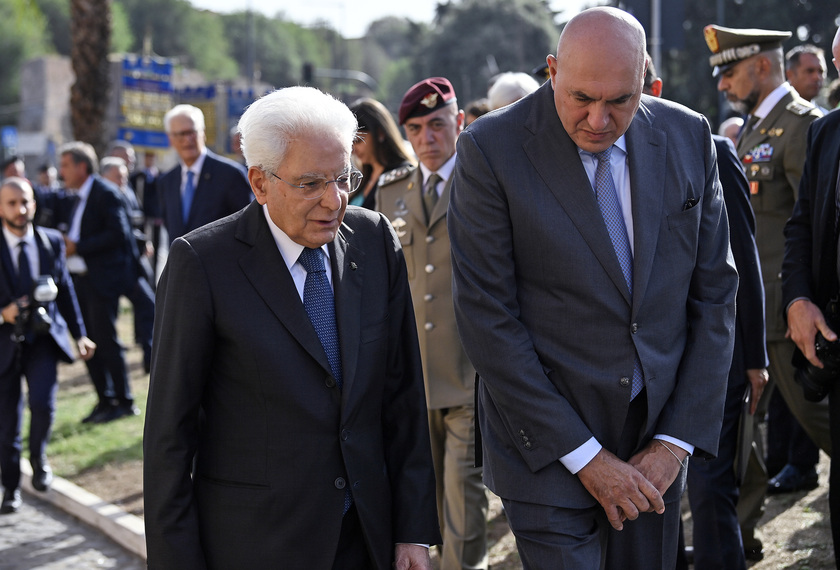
{"x":352,"y":17}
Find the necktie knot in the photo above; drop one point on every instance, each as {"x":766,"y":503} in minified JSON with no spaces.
{"x":311,"y":260}
{"x":604,"y":156}
{"x":430,"y":195}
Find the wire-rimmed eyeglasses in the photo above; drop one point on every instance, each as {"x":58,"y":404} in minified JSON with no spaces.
{"x":313,"y":189}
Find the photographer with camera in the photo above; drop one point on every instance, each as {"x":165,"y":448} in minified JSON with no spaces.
{"x":810,"y":284}
{"x":39,"y":306}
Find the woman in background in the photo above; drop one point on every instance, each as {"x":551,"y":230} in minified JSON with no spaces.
{"x":378,"y":149}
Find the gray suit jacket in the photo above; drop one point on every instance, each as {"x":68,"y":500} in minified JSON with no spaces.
{"x":542,"y":307}
{"x":241,"y":381}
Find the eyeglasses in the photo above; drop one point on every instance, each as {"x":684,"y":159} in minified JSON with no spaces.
{"x":310,"y":190}
{"x":184,"y":134}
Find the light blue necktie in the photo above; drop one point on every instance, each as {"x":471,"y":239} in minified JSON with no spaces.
{"x":320,"y":306}
{"x":187,"y":198}
{"x":614,"y":220}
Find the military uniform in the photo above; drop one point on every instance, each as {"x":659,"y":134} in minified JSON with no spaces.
{"x":449,"y":375}
{"x":773,"y":155}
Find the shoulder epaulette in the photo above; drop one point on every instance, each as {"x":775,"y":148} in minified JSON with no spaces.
{"x":397,"y":174}
{"x":800,"y":107}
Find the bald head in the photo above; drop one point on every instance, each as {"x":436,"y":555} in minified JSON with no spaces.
{"x":598,"y":75}
{"x":604,"y":31}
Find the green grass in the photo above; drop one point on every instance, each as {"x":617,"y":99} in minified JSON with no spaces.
{"x":75,"y":447}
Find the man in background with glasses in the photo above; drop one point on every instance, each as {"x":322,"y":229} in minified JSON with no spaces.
{"x":415,"y":199}
{"x":287,"y":365}
{"x":204,"y":186}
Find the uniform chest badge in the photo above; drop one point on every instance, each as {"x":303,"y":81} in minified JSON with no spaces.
{"x":399,"y":225}
{"x":777,"y":132}
{"x":761,"y":153}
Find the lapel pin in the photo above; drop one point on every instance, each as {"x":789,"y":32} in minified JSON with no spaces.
{"x":353,"y":265}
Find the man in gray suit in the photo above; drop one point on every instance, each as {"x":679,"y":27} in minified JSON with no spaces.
{"x":601,"y":322}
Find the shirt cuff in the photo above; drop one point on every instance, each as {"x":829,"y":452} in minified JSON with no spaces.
{"x":678,"y":442}
{"x":793,"y":301}
{"x":577,"y":459}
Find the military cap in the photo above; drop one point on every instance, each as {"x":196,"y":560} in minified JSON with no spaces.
{"x":730,"y":45}
{"x":426,"y":97}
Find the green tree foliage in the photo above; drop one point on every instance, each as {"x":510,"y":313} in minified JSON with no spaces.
{"x":517,"y":34}
{"x":279,"y":48}
{"x":195,"y":37}
{"x":23,"y":35}
{"x":57,"y":15}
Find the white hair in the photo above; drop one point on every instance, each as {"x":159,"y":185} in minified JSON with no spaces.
{"x":509,"y":88}
{"x":188,"y":111}
{"x":111,"y":162}
{"x":272,"y":122}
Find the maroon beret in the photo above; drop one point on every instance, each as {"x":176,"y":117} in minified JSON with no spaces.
{"x":426,"y":97}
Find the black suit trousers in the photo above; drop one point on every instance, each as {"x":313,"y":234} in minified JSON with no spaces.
{"x":107,"y":368}
{"x":37,"y":362}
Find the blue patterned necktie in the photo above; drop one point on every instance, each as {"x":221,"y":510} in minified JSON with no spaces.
{"x":24,"y":272}
{"x":187,"y":197}
{"x":320,"y":306}
{"x":614,"y":220}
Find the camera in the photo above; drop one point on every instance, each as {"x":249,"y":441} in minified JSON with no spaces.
{"x":33,"y":318}
{"x":817,"y":382}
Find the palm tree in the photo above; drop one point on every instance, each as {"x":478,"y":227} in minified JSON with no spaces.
{"x":90,"y":30}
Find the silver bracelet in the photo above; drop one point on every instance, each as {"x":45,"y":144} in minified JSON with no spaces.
{"x":671,"y":451}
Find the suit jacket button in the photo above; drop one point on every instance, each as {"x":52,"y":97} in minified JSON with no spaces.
{"x":634,"y":327}
{"x":330,"y":382}
{"x":340,"y":483}
{"x":430,"y":268}
{"x":527,"y":445}
{"x":429,"y":326}
{"x":430,"y":239}
{"x":522,"y":432}
{"x":625,"y":381}
{"x":428,"y":297}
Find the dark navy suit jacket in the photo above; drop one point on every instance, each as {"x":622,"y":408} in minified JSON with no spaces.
{"x":64,"y":311}
{"x":750,"y":348}
{"x":221,"y":189}
{"x":105,"y":241}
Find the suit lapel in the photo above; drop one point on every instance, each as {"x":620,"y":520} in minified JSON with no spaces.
{"x":555,"y":158}
{"x":414,"y":196}
{"x":646,"y":155}
{"x":264,"y":267}
{"x":46,"y":254}
{"x":348,"y":270}
{"x":759,"y":134}
{"x":8,"y":268}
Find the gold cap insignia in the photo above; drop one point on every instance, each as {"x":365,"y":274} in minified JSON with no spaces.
{"x":711,"y":38}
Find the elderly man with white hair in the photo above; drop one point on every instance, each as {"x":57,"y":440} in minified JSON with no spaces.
{"x":286,"y":423}
{"x":203,"y":186}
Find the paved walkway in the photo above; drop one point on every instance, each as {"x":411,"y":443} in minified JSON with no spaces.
{"x":40,"y":536}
